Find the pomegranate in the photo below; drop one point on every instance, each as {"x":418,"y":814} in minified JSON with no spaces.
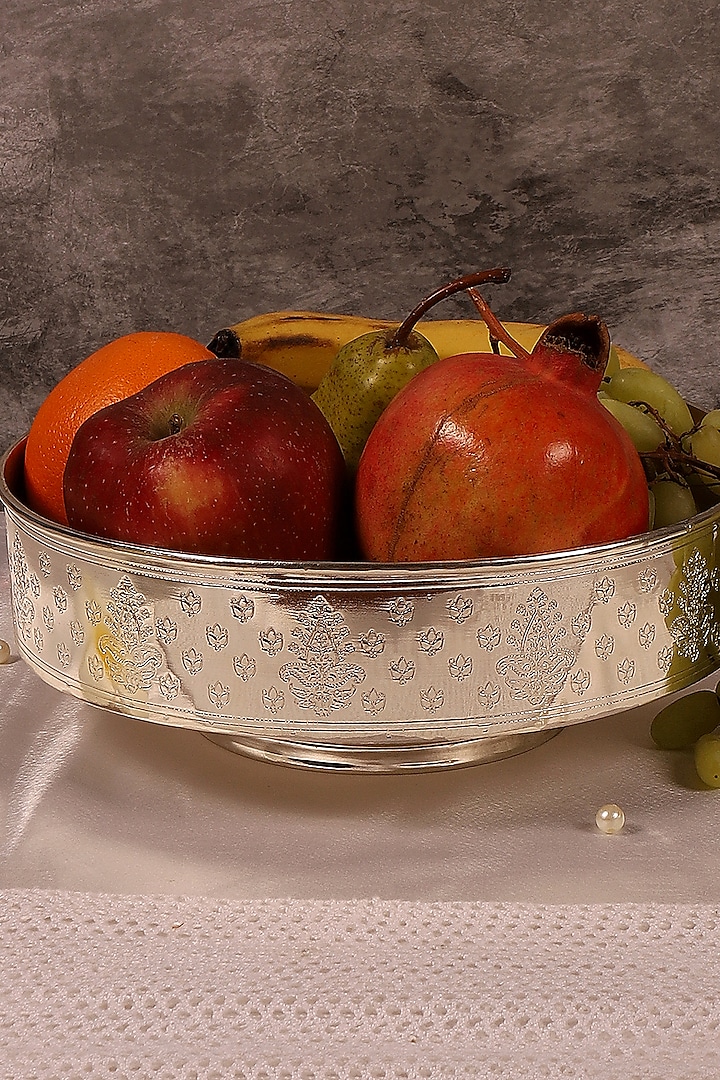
{"x":484,"y":455}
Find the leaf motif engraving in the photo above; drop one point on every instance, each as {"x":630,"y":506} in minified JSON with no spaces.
{"x":271,"y":641}
{"x":402,"y":670}
{"x":242,"y":608}
{"x":430,"y":640}
{"x":190,"y":603}
{"x":244,"y":667}
{"x":273,"y":700}
{"x":192,"y":661}
{"x":217,"y":637}
{"x":169,"y":685}
{"x":373,"y":701}
{"x":604,"y":647}
{"x":166,"y":630}
{"x":371,"y":643}
{"x":219,"y":694}
{"x":489,"y":695}
{"x":460,"y":609}
{"x":401,"y":611}
{"x":460,"y":667}
{"x":432,"y":699}
{"x":489,"y":637}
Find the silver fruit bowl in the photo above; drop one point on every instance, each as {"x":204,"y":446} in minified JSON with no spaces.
{"x":357,"y":666}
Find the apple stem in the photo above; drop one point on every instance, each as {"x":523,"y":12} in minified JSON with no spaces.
{"x":496,"y":329}
{"x":498,"y":276}
{"x":175,"y":424}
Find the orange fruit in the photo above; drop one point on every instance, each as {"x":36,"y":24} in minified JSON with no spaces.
{"x":116,"y":371}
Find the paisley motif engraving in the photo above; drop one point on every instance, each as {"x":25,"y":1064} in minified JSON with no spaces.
{"x":537,"y":670}
{"x":128,"y":655}
{"x":698,"y":625}
{"x":321,"y":678}
{"x":646,"y":635}
{"x":21,"y":590}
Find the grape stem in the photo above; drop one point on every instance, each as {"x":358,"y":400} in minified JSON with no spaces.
{"x":498,"y":276}
{"x":673,"y":457}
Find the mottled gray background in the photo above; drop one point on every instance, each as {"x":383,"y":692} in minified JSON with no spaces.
{"x":168,"y":164}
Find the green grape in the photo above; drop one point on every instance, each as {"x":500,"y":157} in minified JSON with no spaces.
{"x":711,"y":419}
{"x":673,"y":502}
{"x":681,"y":723}
{"x":707,"y":759}
{"x":646,"y":433}
{"x":641,"y":384}
{"x":704,"y":444}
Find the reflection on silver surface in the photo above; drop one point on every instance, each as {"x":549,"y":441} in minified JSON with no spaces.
{"x":358,"y":665}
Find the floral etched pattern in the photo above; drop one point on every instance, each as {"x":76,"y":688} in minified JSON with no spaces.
{"x":538,"y":668}
{"x":321,"y":678}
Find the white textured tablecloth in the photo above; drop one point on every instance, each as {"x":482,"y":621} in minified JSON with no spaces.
{"x":172,"y":910}
{"x":185,"y":989}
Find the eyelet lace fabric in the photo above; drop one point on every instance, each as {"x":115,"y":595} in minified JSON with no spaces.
{"x":100,"y":986}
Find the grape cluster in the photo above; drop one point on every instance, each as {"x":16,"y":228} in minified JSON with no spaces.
{"x":692,"y":723}
{"x":680,"y":452}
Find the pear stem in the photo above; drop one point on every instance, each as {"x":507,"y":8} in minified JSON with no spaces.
{"x":496,"y":329}
{"x":498,"y":276}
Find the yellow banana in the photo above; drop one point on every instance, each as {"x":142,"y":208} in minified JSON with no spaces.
{"x":303,"y":344}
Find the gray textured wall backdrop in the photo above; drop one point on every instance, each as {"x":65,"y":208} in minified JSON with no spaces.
{"x":173,"y":165}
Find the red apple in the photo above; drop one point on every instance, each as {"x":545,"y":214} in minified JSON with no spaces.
{"x":219,"y":457}
{"x":487,"y":456}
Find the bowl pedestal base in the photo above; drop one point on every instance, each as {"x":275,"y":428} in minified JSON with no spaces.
{"x":384,"y":759}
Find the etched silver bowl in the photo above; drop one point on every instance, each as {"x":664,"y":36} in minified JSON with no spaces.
{"x":362,"y":666}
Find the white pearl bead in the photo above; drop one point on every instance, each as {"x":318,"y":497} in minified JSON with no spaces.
{"x":610,"y":819}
